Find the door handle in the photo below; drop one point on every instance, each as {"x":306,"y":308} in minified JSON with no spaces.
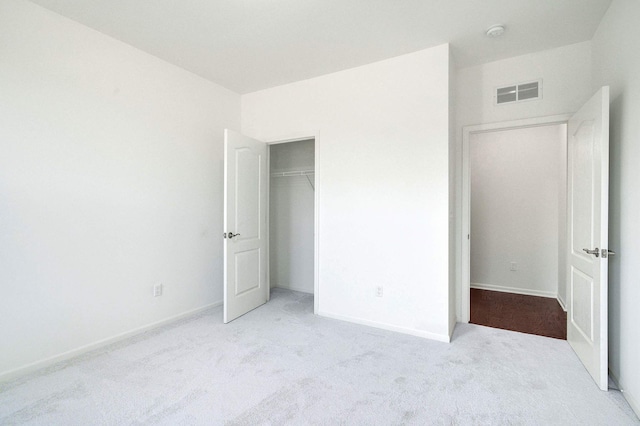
{"x":231,"y":235}
{"x":595,"y":251}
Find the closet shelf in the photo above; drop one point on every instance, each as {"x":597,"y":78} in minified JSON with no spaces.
{"x":293,"y":173}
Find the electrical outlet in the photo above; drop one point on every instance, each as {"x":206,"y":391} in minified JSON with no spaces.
{"x":157,"y":290}
{"x":379,"y":291}
{"x":514,"y":266}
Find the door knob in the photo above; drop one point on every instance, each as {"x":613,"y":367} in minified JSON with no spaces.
{"x":595,"y":251}
{"x":231,"y":235}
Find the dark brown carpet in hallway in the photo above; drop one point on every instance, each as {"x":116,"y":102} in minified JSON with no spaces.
{"x":527,"y":314}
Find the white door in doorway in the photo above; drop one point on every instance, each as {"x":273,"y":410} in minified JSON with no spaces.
{"x":245,"y":225}
{"x":588,"y":204}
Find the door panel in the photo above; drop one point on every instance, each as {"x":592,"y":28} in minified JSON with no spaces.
{"x":582,"y":303}
{"x":588,"y":177}
{"x":247,"y":271}
{"x":582,"y":180}
{"x":245,"y":214}
{"x":247,"y":192}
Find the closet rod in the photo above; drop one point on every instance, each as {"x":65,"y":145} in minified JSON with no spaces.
{"x":305,"y":173}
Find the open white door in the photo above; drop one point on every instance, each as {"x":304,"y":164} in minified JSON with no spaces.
{"x":245,"y":225}
{"x":588,"y":209}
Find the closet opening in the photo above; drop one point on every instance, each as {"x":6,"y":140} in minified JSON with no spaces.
{"x":292,"y":216}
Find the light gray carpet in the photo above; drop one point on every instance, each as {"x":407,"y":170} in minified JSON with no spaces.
{"x":280,"y":364}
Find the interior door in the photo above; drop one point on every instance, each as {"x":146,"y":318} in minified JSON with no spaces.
{"x":245,"y":225}
{"x":588,"y":176}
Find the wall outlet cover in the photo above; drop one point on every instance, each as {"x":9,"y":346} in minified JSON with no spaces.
{"x":157,"y":290}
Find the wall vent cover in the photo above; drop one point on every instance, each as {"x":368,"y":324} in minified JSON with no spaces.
{"x":519,"y":92}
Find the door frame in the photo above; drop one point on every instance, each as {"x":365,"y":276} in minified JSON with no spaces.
{"x":464,"y":303}
{"x":298,"y":137}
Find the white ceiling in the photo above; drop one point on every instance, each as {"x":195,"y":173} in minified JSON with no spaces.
{"x":248,"y":45}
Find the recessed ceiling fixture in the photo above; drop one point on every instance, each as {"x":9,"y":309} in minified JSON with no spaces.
{"x":495,"y":31}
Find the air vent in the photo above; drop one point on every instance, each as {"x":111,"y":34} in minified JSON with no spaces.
{"x":519,"y":92}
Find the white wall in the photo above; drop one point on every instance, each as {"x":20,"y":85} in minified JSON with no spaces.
{"x":453,"y":267}
{"x":291,"y":217}
{"x":616,"y":62}
{"x":566,"y":75}
{"x":516,"y":178}
{"x":110,"y":181}
{"x":382,"y":176}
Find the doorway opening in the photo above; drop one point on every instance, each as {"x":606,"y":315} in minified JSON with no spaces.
{"x":246,"y":272}
{"x":587,"y":228}
{"x":515,"y":238}
{"x":292,"y":216}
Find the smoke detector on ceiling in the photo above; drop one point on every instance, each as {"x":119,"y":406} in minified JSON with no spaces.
{"x":495,"y":31}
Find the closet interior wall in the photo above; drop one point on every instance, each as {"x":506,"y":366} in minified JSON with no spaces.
{"x":291,"y":215}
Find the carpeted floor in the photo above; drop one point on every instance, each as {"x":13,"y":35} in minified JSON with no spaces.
{"x":280,"y":364}
{"x":527,"y":314}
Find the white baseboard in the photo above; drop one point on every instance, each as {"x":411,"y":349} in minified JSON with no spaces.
{"x":47,"y":362}
{"x":526,"y":292}
{"x":419,"y":333}
{"x":630,"y":398}
{"x":562,"y":304}
{"x":293,"y":287}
